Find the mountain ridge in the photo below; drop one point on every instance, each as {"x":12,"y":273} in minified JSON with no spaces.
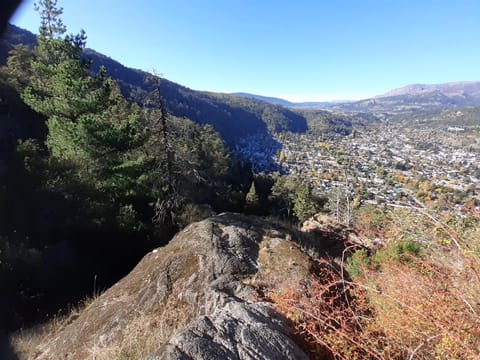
{"x":240,"y":115}
{"x":409,"y":98}
{"x":291,"y":104}
{"x":449,"y":88}
{"x":233,"y":117}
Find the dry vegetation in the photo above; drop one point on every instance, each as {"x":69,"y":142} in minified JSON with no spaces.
{"x":144,"y":334}
{"x":414,"y":298}
{"x":26,"y":342}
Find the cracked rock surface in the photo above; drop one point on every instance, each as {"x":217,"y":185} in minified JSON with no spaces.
{"x":192,"y":299}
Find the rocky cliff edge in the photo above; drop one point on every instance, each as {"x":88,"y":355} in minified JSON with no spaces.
{"x":194,"y":298}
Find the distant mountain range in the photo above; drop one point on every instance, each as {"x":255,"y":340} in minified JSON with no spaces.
{"x":239,"y":115}
{"x":460,"y":89}
{"x":421,"y":97}
{"x":286,"y":103}
{"x":411,"y":98}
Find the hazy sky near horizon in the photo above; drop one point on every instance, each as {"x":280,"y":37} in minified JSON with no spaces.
{"x":302,"y":50}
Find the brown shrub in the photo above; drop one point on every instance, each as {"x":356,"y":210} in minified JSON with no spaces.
{"x":328,"y":313}
{"x":397,"y":307}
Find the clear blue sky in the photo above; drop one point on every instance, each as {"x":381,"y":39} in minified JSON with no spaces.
{"x":296,"y":49}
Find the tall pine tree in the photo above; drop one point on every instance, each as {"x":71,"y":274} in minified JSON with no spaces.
{"x":91,"y":127}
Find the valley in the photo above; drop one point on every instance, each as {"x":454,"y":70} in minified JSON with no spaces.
{"x":379,"y":164}
{"x":298,"y":211}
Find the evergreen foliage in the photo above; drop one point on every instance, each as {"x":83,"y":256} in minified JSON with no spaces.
{"x":293,"y":199}
{"x":305,"y":205}
{"x":252,"y":201}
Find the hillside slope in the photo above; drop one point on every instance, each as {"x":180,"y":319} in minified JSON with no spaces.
{"x":295,"y":105}
{"x":233,"y":117}
{"x":467,"y":117}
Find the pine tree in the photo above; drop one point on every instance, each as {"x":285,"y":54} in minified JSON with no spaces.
{"x":305,"y":205}
{"x":18,"y":69}
{"x":61,"y":87}
{"x":51,"y":24}
{"x":91,"y":127}
{"x":192,"y":162}
{"x":168,"y":198}
{"x":283,"y":195}
{"x":252,"y":201}
{"x":293,"y":198}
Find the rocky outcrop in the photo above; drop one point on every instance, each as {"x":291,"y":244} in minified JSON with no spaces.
{"x":335,"y":237}
{"x":238,"y":330}
{"x":194,"y":298}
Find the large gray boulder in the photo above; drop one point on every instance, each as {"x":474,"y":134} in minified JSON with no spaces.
{"x":194,"y":298}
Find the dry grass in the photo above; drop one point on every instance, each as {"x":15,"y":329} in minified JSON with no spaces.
{"x":402,"y":304}
{"x":424,"y":311}
{"x":144,"y":334}
{"x":328,"y":314}
{"x":26,"y":342}
{"x":141,"y":340}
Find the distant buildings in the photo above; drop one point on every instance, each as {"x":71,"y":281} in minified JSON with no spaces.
{"x":376,"y":164}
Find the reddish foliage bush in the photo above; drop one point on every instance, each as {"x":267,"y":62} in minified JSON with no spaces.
{"x":329,"y":314}
{"x":405,"y":301}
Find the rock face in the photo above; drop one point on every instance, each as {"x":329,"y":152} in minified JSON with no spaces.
{"x":193,"y":299}
{"x":237,"y":331}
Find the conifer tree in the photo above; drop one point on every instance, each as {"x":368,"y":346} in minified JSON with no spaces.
{"x":91,"y":127}
{"x":304,"y":204}
{"x":192,"y":162}
{"x":252,"y":201}
{"x":293,"y":198}
{"x":60,"y":86}
{"x":283,"y":194}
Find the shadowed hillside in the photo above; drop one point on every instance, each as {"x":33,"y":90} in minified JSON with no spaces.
{"x":233,"y":117}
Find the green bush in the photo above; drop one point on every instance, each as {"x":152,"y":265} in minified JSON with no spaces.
{"x":358,"y":262}
{"x":398,"y":251}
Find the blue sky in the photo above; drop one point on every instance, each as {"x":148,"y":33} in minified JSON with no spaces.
{"x":296,"y":49}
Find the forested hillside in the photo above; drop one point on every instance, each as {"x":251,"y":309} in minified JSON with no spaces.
{"x":89,"y":180}
{"x":233,"y":117}
{"x":322,"y":121}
